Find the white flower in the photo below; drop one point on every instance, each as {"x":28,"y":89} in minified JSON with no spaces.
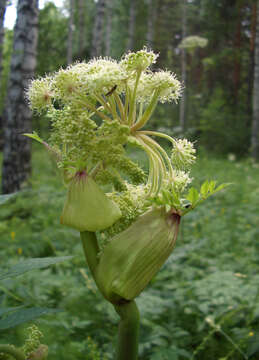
{"x":180,"y":180}
{"x":140,"y":60}
{"x":183,"y":153}
{"x":40,"y":94}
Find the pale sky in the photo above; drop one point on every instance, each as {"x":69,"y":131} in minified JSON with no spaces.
{"x":10,"y":15}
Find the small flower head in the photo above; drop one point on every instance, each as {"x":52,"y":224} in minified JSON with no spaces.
{"x":40,"y":94}
{"x":192,"y":42}
{"x":183,"y":153}
{"x":168,"y":86}
{"x":102,"y":74}
{"x":180,"y":180}
{"x":139,"y":61}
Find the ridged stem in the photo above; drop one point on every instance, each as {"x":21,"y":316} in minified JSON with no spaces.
{"x":127,"y":346}
{"x":91,"y":250}
{"x":12,"y":351}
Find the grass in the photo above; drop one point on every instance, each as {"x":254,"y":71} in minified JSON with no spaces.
{"x":203,"y":304}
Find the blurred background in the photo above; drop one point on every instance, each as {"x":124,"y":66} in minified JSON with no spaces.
{"x":204,"y":303}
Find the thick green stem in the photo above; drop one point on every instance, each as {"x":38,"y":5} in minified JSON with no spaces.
{"x":12,"y":351}
{"x":127,"y":347}
{"x":91,"y":250}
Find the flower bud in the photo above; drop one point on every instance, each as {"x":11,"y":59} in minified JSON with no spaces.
{"x":135,"y":255}
{"x":87,"y":208}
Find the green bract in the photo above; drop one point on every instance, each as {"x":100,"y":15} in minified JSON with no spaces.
{"x":87,"y":208}
{"x":134,"y":256}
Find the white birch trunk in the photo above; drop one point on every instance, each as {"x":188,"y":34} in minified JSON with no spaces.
{"x":132,"y":25}
{"x":70,"y":32}
{"x":108,"y":28}
{"x":17,"y":116}
{"x":97,"y":38}
{"x":81,"y":10}
{"x":255,"y":122}
{"x":2,"y":15}
{"x":182,"y":119}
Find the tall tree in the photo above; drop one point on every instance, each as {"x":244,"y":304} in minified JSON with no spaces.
{"x":82,"y":34}
{"x":255,"y":123}
{"x":132,"y":24}
{"x":70,"y":32}
{"x":17,"y":116}
{"x":109,"y":12}
{"x":2,"y":14}
{"x":151,"y":22}
{"x":183,"y":67}
{"x":97,"y":37}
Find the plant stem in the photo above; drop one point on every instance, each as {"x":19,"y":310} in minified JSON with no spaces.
{"x":91,"y":250}
{"x":127,"y":347}
{"x":11,"y":350}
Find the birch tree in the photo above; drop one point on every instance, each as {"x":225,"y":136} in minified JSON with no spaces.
{"x":109,"y":12}
{"x":97,"y":37}
{"x":70,"y":32}
{"x":2,"y":14}
{"x":17,"y":116}
{"x":151,"y":22}
{"x":255,"y":122}
{"x":81,"y":11}
{"x":132,"y":24}
{"x":183,"y":68}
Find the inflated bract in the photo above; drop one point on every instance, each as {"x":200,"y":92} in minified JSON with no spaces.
{"x":87,"y":208}
{"x":134,"y":256}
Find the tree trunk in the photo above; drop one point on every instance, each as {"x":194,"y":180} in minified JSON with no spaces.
{"x":70,"y":32}
{"x":151,"y":23}
{"x":81,"y":14}
{"x":132,"y":25}
{"x":255,"y":123}
{"x":97,"y":37}
{"x":2,"y":14}
{"x":183,"y":70}
{"x":17,"y":115}
{"x":109,"y":12}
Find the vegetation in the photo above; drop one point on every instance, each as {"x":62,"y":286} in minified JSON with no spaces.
{"x":204,"y":303}
{"x":211,"y":275}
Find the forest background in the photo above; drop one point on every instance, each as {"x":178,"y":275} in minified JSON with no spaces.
{"x":204,"y":303}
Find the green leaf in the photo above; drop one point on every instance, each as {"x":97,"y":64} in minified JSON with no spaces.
{"x":35,"y":136}
{"x":205,"y":188}
{"x":222,"y":186}
{"x":24,"y":315}
{"x":32,"y":264}
{"x":193,"y":196}
{"x":5,"y":198}
{"x":8,"y":309}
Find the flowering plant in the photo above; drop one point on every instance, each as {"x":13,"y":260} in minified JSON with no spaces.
{"x":98,"y":109}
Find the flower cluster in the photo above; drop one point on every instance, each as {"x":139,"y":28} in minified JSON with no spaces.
{"x":98,"y":108}
{"x":192,"y":42}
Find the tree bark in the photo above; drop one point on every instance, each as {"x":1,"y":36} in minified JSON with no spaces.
{"x":255,"y":123}
{"x":2,"y":14}
{"x":150,"y":24}
{"x":81,"y":11}
{"x":183,"y":69}
{"x":70,"y":32}
{"x":132,"y":25}
{"x":109,"y":11}
{"x":17,"y":115}
{"x":97,"y":37}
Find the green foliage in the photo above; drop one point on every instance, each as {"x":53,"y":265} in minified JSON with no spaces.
{"x":212,"y":273}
